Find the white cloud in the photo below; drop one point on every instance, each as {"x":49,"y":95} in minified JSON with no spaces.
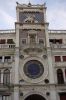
{"x":57,"y":18}
{"x":7,"y":19}
{"x":7,"y":13}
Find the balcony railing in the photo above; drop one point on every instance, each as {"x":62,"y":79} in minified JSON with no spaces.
{"x":60,"y":64}
{"x":7,"y":31}
{"x":57,"y":31}
{"x":58,"y":45}
{"x":7,"y":46}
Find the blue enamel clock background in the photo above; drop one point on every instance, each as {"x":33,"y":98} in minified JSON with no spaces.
{"x":33,"y":69}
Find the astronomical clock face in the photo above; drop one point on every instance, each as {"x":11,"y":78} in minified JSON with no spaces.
{"x":33,"y":69}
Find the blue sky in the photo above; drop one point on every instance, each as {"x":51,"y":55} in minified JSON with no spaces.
{"x":56,"y":13}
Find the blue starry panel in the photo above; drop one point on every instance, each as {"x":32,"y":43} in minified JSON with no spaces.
{"x":39,"y":16}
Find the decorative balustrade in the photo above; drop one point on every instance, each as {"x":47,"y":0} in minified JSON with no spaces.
{"x":57,"y":31}
{"x":58,"y":45}
{"x":7,"y":31}
{"x":7,"y":46}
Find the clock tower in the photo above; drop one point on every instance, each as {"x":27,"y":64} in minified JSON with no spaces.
{"x":33,"y":61}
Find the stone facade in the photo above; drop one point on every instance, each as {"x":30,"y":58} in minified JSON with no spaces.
{"x":32,"y":58}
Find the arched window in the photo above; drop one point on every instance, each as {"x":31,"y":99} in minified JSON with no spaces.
{"x":6,"y":76}
{"x":60,"y":76}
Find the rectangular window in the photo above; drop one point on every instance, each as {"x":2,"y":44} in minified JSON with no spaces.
{"x":10,"y":41}
{"x":2,"y":41}
{"x":7,"y":58}
{"x":54,"y":41}
{"x":57,"y":58}
{"x":0,"y":58}
{"x":64,"y":58}
{"x":59,"y":41}
{"x":62,"y":96}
